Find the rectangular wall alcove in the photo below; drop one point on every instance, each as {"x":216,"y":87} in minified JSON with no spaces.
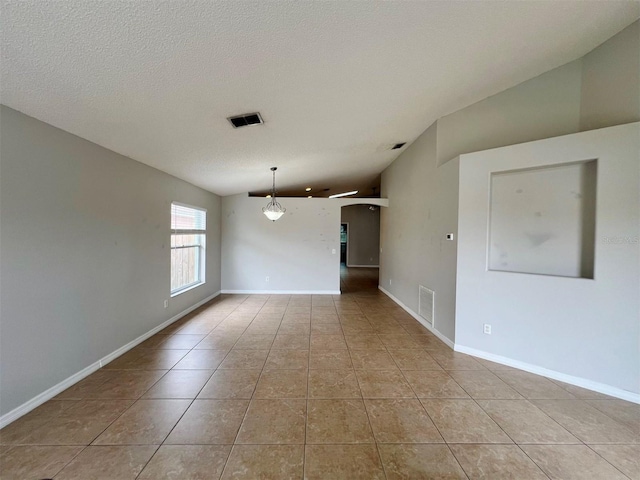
{"x":542,"y":220}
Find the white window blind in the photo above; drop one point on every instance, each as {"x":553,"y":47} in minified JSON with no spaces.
{"x":188,"y":219}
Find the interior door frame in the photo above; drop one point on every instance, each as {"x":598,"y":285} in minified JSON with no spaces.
{"x":346,"y":254}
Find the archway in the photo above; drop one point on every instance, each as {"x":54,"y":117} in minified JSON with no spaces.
{"x":360,"y":244}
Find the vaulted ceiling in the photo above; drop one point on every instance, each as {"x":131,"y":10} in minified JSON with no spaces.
{"x":337,"y":82}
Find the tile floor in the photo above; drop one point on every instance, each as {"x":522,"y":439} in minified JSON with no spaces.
{"x":344,"y":387}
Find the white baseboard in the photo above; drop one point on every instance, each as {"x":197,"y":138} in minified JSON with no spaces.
{"x":283,"y":292}
{"x":48,"y":394}
{"x":562,"y":377}
{"x":422,"y":321}
{"x":527,"y":367}
{"x":363,"y":266}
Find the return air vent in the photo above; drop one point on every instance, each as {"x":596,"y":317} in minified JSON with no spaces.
{"x":426,"y":303}
{"x":246,"y":120}
{"x":398,"y":145}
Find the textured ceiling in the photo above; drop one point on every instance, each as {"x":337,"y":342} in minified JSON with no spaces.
{"x":336,"y":82}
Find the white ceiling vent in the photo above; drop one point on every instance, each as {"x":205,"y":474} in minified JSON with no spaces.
{"x":246,"y":119}
{"x":426,"y":304}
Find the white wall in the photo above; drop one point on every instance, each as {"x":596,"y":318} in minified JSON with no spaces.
{"x":545,"y":106}
{"x":85,"y":236}
{"x":295,"y":252}
{"x":363,"y":246}
{"x":611,"y":81}
{"x":423,"y":194}
{"x":542,"y":220}
{"x":585,"y":328}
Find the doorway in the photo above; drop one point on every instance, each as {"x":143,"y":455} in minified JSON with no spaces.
{"x":344,"y":240}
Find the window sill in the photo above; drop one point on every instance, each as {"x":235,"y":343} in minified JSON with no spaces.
{"x":186,"y":289}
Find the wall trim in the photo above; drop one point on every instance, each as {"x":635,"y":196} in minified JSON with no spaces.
{"x":363,"y":266}
{"x":48,"y":394}
{"x":444,"y":339}
{"x":283,"y":292}
{"x":563,"y":377}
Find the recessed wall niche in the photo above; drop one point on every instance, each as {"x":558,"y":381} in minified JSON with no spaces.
{"x":542,"y":220}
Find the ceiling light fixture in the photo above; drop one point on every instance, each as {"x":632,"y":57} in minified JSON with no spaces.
{"x":345,"y":194}
{"x":273,"y":210}
{"x":308,"y":189}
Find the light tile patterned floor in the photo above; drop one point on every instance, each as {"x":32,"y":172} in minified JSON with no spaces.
{"x":317,"y":387}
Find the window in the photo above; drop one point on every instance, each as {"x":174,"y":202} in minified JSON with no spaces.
{"x":188,"y":237}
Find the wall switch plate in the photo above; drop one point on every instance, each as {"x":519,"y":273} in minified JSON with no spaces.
{"x":333,"y":251}
{"x":487,"y":329}
{"x":450,"y":236}
{"x":166,"y":303}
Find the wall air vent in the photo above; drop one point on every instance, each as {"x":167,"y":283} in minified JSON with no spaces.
{"x":426,"y":303}
{"x":398,"y":145}
{"x":246,"y":120}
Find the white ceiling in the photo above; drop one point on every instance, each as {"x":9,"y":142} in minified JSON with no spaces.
{"x":336,"y":82}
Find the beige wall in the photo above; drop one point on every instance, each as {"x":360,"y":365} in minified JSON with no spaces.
{"x":85,"y":236}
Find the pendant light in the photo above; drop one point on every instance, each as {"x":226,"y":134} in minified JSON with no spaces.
{"x":273,"y":210}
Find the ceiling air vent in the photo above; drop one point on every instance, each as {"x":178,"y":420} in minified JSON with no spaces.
{"x":246,"y":119}
{"x":398,"y":145}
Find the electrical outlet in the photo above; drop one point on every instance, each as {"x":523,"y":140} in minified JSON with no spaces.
{"x":487,"y":329}
{"x":450,"y":236}
{"x":166,"y":303}
{"x":267,"y":279}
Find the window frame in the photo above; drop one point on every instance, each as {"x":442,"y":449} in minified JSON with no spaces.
{"x":201,"y":252}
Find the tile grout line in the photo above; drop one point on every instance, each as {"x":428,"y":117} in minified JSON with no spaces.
{"x":192,"y":400}
{"x":373,"y":435}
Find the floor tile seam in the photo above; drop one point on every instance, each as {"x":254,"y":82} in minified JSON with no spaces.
{"x":407,"y":381}
{"x":611,"y":416}
{"x":580,"y":441}
{"x":84,"y":447}
{"x":575,"y":434}
{"x":532,"y":460}
{"x":148,"y":461}
{"x":46,"y":422}
{"x":306,"y":412}
{"x":455,"y":457}
{"x":373,"y":435}
{"x":250,"y":400}
{"x":417,"y":397}
{"x":488,"y":416}
{"x":603,"y":458}
{"x":130,"y":407}
{"x":120,"y":415}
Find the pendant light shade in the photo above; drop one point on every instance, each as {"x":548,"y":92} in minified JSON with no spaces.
{"x":273,"y":210}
